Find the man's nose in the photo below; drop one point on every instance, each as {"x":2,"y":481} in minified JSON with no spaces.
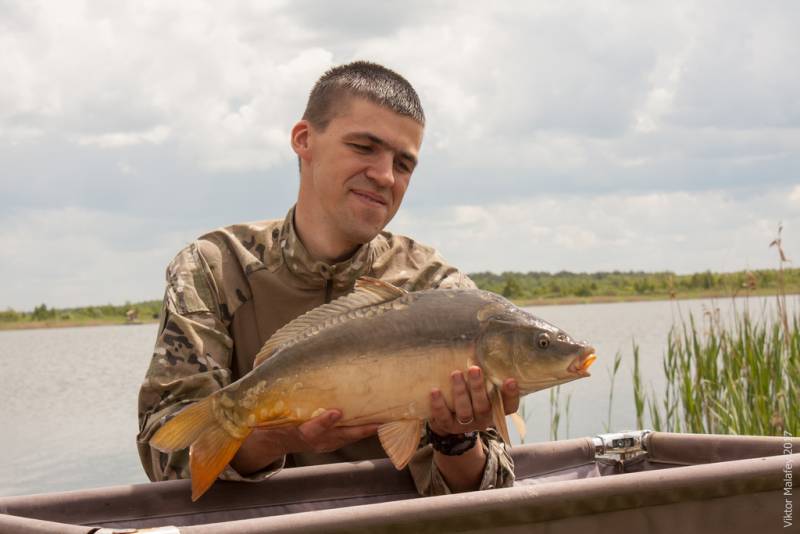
{"x":381,"y":171}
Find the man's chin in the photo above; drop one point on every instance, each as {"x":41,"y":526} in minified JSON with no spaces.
{"x":364,"y":229}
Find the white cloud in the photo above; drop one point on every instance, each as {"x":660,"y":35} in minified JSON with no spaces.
{"x":72,"y":257}
{"x":515,"y":87}
{"x":115,"y":76}
{"x":679,"y":231}
{"x":154,"y":136}
{"x":561,"y":135}
{"x":794,"y":195}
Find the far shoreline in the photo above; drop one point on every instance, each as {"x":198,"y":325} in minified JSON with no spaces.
{"x":68,"y":323}
{"x":608,"y":299}
{"x":522,"y":303}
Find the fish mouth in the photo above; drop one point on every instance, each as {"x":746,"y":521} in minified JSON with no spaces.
{"x":580,"y":365}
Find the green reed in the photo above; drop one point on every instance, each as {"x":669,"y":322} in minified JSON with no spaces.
{"x":739,"y":378}
{"x":612,"y":375}
{"x":555,"y":411}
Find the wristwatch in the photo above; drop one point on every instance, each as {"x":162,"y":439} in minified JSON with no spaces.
{"x":452,"y":444}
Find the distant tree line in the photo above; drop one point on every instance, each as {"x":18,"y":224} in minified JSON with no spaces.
{"x":144,"y":310}
{"x":542,"y":285}
{"x":513,"y":285}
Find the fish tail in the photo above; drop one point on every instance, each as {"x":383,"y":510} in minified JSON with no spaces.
{"x":211,"y":447}
{"x":184,"y":428}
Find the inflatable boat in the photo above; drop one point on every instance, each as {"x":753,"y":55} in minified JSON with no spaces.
{"x":629,"y":482}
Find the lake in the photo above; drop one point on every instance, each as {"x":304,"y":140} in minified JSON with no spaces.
{"x":69,"y":395}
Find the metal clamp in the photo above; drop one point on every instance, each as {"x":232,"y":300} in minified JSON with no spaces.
{"x":621,"y":445}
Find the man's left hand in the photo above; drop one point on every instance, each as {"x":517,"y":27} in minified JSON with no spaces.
{"x":472,"y":409}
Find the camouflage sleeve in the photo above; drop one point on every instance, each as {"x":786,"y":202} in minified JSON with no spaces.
{"x":190,"y":361}
{"x":498,"y":472}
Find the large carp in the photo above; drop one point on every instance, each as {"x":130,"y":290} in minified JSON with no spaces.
{"x":376,"y":354}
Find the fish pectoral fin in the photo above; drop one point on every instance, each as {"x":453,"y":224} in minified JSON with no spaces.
{"x":209,"y":455}
{"x":519,"y":424}
{"x":499,"y":415}
{"x":400,"y":440}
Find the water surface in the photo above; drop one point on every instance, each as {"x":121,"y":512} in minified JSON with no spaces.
{"x":69,"y":395}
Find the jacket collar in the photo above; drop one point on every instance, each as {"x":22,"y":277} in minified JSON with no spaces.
{"x":288,"y":250}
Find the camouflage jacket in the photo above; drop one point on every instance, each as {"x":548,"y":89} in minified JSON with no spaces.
{"x":230,"y":290}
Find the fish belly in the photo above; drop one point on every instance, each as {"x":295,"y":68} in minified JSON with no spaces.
{"x":368,"y":388}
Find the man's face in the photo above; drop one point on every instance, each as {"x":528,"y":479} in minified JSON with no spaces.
{"x":358,"y":169}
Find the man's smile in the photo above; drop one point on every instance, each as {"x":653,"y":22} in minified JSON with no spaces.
{"x":370,"y":197}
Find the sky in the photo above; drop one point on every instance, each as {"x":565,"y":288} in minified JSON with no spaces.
{"x":580,"y":136}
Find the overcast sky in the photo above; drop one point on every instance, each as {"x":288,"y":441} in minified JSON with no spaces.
{"x":581,"y":136}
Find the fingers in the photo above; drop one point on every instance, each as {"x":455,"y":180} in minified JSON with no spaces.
{"x":510,"y":394}
{"x":317,"y":426}
{"x":471,"y":404}
{"x":461,"y":399}
{"x":441,"y":420}
{"x":320,"y":434}
{"x":349,"y":434}
{"x":481,"y":407}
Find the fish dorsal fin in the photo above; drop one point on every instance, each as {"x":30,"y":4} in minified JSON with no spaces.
{"x":400,"y":440}
{"x":499,"y":415}
{"x":379,"y":288}
{"x":368,"y":292}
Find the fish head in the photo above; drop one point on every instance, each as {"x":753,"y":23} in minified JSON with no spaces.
{"x":537,"y":354}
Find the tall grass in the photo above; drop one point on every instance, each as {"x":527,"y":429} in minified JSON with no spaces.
{"x":740,"y":375}
{"x":612,"y":375}
{"x":555,"y":413}
{"x":739,"y":378}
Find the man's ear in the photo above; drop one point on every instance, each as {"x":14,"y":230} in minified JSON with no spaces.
{"x":301,"y":140}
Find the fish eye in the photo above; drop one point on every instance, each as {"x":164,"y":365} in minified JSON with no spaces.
{"x":543,"y":341}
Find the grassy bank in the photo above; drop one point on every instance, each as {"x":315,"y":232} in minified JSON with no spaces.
{"x":109,"y":314}
{"x":535,"y":288}
{"x":64,"y":323}
{"x":600,"y":299}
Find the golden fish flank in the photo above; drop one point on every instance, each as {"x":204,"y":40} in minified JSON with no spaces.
{"x":253,"y":395}
{"x":375,"y":355}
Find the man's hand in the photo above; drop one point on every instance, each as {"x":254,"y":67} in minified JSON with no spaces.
{"x":473,"y":411}
{"x":263,"y":446}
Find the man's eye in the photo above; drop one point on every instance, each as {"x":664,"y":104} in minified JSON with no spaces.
{"x":402,"y":167}
{"x":360,"y":148}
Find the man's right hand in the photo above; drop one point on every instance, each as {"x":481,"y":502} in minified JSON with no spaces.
{"x":263,"y":446}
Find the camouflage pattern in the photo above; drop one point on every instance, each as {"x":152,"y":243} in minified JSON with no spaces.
{"x":230,"y":290}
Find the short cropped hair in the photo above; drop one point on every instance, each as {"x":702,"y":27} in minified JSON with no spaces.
{"x":370,"y":81}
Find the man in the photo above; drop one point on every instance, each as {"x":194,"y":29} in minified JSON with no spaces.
{"x":358,"y":144}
